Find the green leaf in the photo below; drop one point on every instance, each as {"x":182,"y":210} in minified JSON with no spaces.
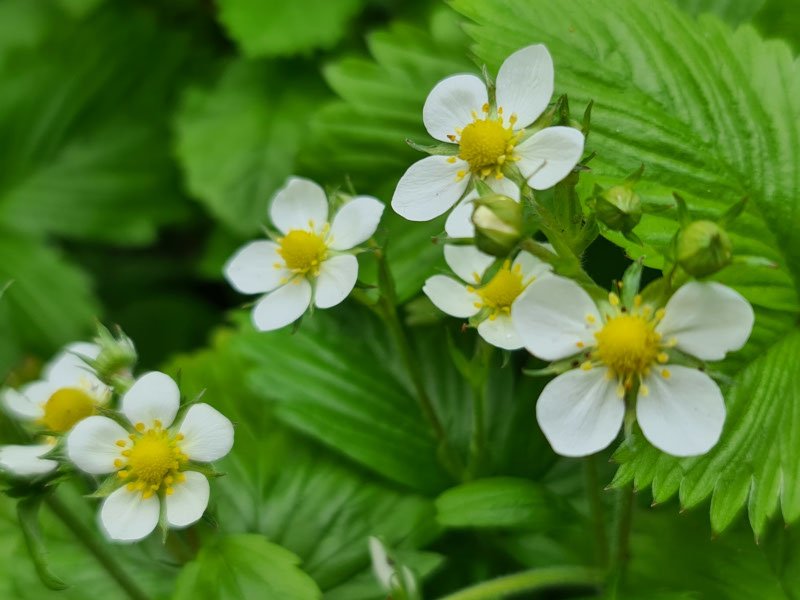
{"x":357,"y":398}
{"x":734,"y":12}
{"x":501,"y":502}
{"x":362,"y":135}
{"x":237,"y":141}
{"x":297,"y":495}
{"x":678,"y":554}
{"x":708,"y":111}
{"x":83,"y":119}
{"x":277,"y":28}
{"x":48,"y":302}
{"x":352,"y":397}
{"x":244,"y":566}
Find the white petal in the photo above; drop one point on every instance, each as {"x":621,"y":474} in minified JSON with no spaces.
{"x":500,"y":332}
{"x":127,"y":516}
{"x":459,"y":221}
{"x":682,"y":414}
{"x":707,"y":319}
{"x":207,"y":433}
{"x":355,"y":222}
{"x":552,"y":317}
{"x":337,"y":278}
{"x":450,"y":296}
{"x":451,"y":103}
{"x":68,"y":367}
{"x":24,"y":460}
{"x":580,"y":412}
{"x":189,"y":500}
{"x":525,"y":84}
{"x":252,"y":269}
{"x":549,"y":155}
{"x":22,"y":406}
{"x":382,"y":566}
{"x":153,"y":397}
{"x":283,"y":306}
{"x":531,"y":266}
{"x":298,"y":204}
{"x":428,"y":188}
{"x":92,"y":444}
{"x":467,"y":262}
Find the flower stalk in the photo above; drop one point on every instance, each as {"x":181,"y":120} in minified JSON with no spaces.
{"x":530,"y":581}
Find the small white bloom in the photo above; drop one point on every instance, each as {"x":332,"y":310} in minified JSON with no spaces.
{"x":151,"y":460}
{"x":68,"y":391}
{"x":489,"y":303}
{"x":679,"y":409}
{"x":487,"y":137}
{"x":310,"y":262}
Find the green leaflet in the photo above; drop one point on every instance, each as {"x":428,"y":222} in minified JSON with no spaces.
{"x":278,"y":28}
{"x":710,"y":114}
{"x":237,"y":141}
{"x":502,"y":502}
{"x":83,"y":115}
{"x":47,"y":304}
{"x":355,"y":397}
{"x":244,"y":566}
{"x":279,"y":485}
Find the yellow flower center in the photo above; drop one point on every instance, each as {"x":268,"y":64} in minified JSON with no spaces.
{"x":65,"y":408}
{"x":302,"y":251}
{"x":487,"y":144}
{"x":501,"y":291}
{"x":628,"y":344}
{"x":153,"y":462}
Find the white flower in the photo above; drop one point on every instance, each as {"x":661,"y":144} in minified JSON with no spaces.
{"x":68,"y":391}
{"x":27,"y":461}
{"x":490,"y":303}
{"x":488,"y":138}
{"x":151,"y":460}
{"x":310,"y":261}
{"x":679,"y":409}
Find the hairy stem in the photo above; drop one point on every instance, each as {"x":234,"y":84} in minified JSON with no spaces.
{"x":481,"y":363}
{"x":99,"y":550}
{"x":388,"y":305}
{"x":529,"y":581}
{"x":596,"y":509}
{"x":623,"y":524}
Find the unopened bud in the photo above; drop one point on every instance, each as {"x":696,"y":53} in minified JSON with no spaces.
{"x":703,"y":248}
{"x":114,"y":363}
{"x":498,"y":224}
{"x":618,"y":208}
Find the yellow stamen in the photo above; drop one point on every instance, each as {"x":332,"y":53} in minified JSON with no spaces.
{"x":65,"y":408}
{"x":303,"y":251}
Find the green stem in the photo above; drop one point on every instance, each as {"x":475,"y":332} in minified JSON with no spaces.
{"x":481,"y":364}
{"x":100,"y":551}
{"x":388,"y":304}
{"x":623,"y":521}
{"x":529,"y":581}
{"x":596,"y":509}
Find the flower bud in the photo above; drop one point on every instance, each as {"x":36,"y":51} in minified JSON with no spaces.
{"x":618,"y":208}
{"x":117,"y":356}
{"x":703,"y":248}
{"x":498,"y":224}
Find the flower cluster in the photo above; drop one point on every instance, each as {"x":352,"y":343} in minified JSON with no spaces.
{"x":159,"y":470}
{"x":638,"y":357}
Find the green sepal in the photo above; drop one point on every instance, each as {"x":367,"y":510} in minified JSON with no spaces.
{"x":631,"y":280}
{"x":441,"y":149}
